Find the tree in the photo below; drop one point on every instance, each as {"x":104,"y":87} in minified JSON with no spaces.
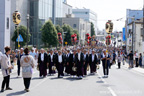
{"x":69,"y":30}
{"x":49,"y":34}
{"x":59,"y":29}
{"x":23,"y":32}
{"x":92,"y":29}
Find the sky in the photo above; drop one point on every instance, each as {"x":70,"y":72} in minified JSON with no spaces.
{"x":108,"y":10}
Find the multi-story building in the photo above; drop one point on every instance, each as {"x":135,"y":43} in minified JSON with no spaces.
{"x":40,"y":11}
{"x":67,"y":9}
{"x":87,"y":15}
{"x":135,"y":27}
{"x":5,"y":24}
{"x":79,"y":24}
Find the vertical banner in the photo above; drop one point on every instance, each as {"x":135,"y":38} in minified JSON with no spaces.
{"x":124,"y":35}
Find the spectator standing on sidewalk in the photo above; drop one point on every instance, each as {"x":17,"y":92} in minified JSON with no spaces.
{"x":140,"y":60}
{"x":136,"y":59}
{"x":130,"y":58}
{"x":143,"y":59}
{"x":27,"y":63}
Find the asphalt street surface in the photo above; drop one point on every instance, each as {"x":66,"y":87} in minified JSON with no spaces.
{"x":121,"y":82}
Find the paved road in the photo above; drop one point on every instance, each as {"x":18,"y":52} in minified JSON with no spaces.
{"x":121,"y":82}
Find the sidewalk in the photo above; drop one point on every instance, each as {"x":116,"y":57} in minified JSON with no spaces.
{"x":138,"y":69}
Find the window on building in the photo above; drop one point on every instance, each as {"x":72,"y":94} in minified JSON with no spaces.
{"x":83,"y":26}
{"x":74,"y":26}
{"x":7,"y":23}
{"x":68,"y":11}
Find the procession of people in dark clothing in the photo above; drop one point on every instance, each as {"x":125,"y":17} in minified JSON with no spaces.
{"x":74,"y":62}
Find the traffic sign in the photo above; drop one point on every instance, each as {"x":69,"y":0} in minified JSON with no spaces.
{"x":20,"y":38}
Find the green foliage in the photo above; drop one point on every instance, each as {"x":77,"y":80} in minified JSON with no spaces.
{"x":92,"y":29}
{"x":59,"y":29}
{"x":23,"y":31}
{"x":49,"y":34}
{"x":67,"y":36}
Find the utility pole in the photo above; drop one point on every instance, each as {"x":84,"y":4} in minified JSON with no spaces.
{"x":54,"y":11}
{"x":27,"y":28}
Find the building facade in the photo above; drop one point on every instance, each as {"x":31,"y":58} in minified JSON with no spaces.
{"x":87,"y":15}
{"x":137,"y":36}
{"x":5,"y":24}
{"x":40,"y":12}
{"x":67,"y":9}
{"x":136,"y":15}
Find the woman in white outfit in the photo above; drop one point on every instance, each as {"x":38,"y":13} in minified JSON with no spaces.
{"x":119,"y":59}
{"x":27,"y":63}
{"x":6,"y":67}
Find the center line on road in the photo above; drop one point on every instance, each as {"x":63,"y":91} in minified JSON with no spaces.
{"x":109,"y":88}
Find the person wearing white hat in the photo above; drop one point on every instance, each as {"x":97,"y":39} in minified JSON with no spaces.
{"x":105,"y":57}
{"x":93,"y":62}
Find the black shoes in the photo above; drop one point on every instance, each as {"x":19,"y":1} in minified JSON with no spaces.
{"x":8,"y":88}
{"x":2,"y":90}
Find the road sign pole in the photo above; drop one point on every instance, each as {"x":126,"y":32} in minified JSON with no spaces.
{"x":18,"y":36}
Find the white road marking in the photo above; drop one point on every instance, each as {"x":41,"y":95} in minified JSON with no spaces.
{"x":109,"y":88}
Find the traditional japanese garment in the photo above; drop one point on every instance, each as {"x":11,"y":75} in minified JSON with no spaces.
{"x":27,"y":62}
{"x":5,"y":64}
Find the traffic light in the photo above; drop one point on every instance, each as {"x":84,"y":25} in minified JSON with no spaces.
{"x":108,"y":41}
{"x":16,"y":17}
{"x":109,"y":27}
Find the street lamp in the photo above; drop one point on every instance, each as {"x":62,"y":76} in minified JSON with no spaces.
{"x":63,"y":38}
{"x":27,"y":27}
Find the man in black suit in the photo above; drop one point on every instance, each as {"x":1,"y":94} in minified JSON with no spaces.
{"x":93,"y":62}
{"x":42,"y":63}
{"x":73,"y":72}
{"x":68,"y":58}
{"x":86,"y":60}
{"x":60,"y":61}
{"x":79,"y":63}
{"x":51,"y":62}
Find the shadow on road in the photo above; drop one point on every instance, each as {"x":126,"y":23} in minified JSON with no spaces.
{"x":16,"y":78}
{"x":72,"y":79}
{"x":99,"y":82}
{"x":37,"y":78}
{"x":16,"y":93}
